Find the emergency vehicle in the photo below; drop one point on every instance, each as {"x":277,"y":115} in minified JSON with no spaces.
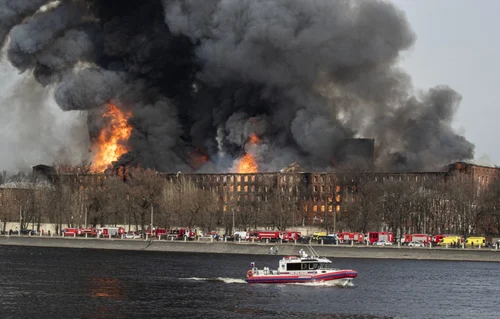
{"x":408,"y":238}
{"x":267,"y":235}
{"x":290,"y":235}
{"x":107,"y":232}
{"x":347,"y":237}
{"x":373,"y":237}
{"x":70,"y":232}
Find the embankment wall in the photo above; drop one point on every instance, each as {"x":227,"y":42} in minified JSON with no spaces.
{"x":454,"y":254}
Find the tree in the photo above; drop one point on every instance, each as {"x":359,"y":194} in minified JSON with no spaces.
{"x":365,"y":212}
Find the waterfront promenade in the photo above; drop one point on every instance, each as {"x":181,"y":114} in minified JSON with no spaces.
{"x":249,"y":248}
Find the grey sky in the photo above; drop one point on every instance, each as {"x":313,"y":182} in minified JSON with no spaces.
{"x":455,"y":46}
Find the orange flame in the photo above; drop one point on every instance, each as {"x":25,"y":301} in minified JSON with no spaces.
{"x":247,"y":163}
{"x":109,"y":145}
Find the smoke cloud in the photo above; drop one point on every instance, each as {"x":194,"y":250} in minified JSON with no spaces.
{"x":201,"y":77}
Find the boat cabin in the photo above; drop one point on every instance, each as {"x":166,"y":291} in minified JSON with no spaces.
{"x":304,"y":263}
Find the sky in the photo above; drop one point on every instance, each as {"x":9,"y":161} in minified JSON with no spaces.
{"x":456,"y":45}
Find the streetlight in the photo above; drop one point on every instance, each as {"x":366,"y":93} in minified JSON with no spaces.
{"x":151,"y":203}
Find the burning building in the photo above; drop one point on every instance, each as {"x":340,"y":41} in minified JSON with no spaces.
{"x":217,"y":86}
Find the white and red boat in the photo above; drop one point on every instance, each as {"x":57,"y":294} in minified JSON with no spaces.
{"x":301,"y":269}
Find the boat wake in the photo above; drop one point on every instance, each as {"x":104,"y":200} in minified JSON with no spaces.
{"x":323,"y":284}
{"x":218,"y":279}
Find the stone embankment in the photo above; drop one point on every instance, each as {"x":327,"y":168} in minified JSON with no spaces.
{"x":207,"y":246}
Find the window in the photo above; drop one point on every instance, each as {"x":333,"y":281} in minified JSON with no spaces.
{"x":231,"y":188}
{"x":253,"y":178}
{"x":252,"y":188}
{"x":315,"y":179}
{"x":239,"y":188}
{"x":337,"y":188}
{"x":337,"y":198}
{"x":246,"y":188}
{"x":330,"y":208}
{"x":337,"y":208}
{"x":238,"y":178}
{"x":322,"y":178}
{"x":322,"y":188}
{"x":246,"y":178}
{"x":224,"y":208}
{"x":322,"y":208}
{"x":330,"y":199}
{"x":315,"y":188}
{"x":315,"y":208}
{"x":224,"y":179}
{"x":259,"y":198}
{"x":305,"y":208}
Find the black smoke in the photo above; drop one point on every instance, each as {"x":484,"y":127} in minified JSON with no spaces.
{"x":201,"y":77}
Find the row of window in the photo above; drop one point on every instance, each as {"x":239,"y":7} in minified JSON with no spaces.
{"x":322,"y":208}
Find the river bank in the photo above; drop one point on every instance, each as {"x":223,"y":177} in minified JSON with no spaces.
{"x":341,"y":251}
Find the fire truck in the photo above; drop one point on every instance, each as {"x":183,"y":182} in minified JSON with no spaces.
{"x":437,"y":238}
{"x":267,"y":235}
{"x":347,"y":237}
{"x":373,"y":237}
{"x":408,"y":238}
{"x":70,"y":232}
{"x":107,"y":232}
{"x":290,"y":235}
{"x":90,"y":232}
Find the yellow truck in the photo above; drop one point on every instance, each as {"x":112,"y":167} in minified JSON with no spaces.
{"x":318,"y":234}
{"x":449,"y":240}
{"x":475,"y":242}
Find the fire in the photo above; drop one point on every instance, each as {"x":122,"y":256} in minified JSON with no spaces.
{"x":247,"y":163}
{"x":109,"y":146}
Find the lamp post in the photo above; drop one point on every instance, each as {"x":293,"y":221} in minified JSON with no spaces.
{"x":152,"y":212}
{"x":20,"y":218}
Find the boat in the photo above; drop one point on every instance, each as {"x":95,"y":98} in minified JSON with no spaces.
{"x":303,"y":268}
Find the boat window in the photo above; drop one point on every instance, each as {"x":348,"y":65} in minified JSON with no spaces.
{"x":304,"y":266}
{"x":294,"y":266}
{"x":313,"y":266}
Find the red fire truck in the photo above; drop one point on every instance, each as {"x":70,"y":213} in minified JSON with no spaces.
{"x":290,"y":235}
{"x":373,"y":237}
{"x":347,"y":237}
{"x":107,"y":232}
{"x":267,"y":235}
{"x":408,"y":238}
{"x":90,"y":232}
{"x":70,"y":232}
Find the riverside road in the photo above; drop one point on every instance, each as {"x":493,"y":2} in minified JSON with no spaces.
{"x":249,"y":248}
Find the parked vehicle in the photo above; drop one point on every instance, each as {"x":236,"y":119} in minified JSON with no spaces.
{"x":383,"y":242}
{"x":271,"y":236}
{"x":449,"y":240}
{"x":476,"y":241}
{"x":70,"y":232}
{"x":348,"y":237}
{"x":327,"y":240}
{"x":416,"y":244}
{"x":90,"y":232}
{"x":106,"y":232}
{"x":374,"y":237}
{"x":406,"y":239}
{"x":291,"y":235}
{"x":131,"y":235}
{"x":317,"y":234}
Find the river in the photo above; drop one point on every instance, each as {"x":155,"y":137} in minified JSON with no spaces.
{"x":80,"y":283}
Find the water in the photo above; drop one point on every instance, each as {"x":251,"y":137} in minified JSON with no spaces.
{"x":71,"y":283}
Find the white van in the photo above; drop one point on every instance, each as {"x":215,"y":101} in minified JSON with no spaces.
{"x":241,"y":234}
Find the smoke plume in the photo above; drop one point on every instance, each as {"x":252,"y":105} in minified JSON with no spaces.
{"x":201,"y":77}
